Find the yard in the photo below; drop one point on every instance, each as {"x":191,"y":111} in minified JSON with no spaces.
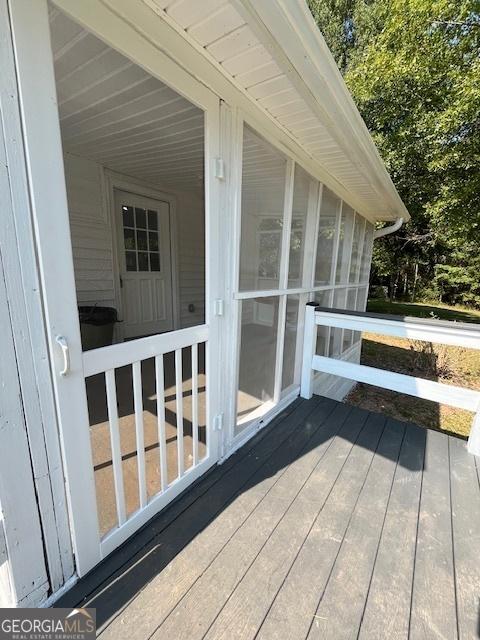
{"x":452,"y":365}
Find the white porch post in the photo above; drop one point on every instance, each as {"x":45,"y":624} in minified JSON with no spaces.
{"x":473,"y":445}
{"x":309,"y":346}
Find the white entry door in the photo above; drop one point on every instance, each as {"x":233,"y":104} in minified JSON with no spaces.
{"x":145,"y":258}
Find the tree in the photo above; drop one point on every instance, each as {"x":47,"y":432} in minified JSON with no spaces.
{"x":413,"y":67}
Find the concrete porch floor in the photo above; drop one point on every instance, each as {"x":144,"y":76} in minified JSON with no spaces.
{"x":332,"y":522}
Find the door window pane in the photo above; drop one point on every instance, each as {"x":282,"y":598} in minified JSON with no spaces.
{"x":344,"y":244}
{"x":152,"y":219}
{"x":128,"y":220}
{"x":142,"y":261}
{"x":357,"y":243}
{"x":290,"y":343}
{"x":257,"y":356}
{"x":131,"y":260}
{"x":301,"y":192}
{"x":154,"y":262}
{"x":263,"y":187}
{"x":140,"y":218}
{"x":326,"y":237}
{"x":129,"y":237}
{"x":142,"y":240}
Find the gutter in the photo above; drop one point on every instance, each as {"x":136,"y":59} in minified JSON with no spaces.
{"x":385,"y":231}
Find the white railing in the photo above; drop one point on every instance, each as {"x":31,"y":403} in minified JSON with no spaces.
{"x":436,"y":331}
{"x":105,"y":361}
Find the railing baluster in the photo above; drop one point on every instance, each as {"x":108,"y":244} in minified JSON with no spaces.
{"x":138,"y":405}
{"x":195,"y":402}
{"x":115,"y":445}
{"x":160,"y":389}
{"x":179,"y":394}
{"x":309,"y":347}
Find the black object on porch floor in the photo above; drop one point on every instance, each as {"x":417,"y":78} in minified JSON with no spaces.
{"x":332,"y":522}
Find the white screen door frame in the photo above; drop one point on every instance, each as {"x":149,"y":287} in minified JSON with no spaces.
{"x":44,"y":159}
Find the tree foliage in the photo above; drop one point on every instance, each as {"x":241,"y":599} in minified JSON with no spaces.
{"x":413,"y":67}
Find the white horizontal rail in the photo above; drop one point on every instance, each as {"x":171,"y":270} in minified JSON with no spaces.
{"x":456,"y":334}
{"x":418,"y":387}
{"x":124,"y":353}
{"x":440,"y":332}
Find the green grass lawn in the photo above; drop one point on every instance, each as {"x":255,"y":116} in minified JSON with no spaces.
{"x":451,"y":365}
{"x":424,"y":310}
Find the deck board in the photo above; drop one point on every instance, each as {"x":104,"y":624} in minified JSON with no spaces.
{"x":385,"y":616}
{"x":465,"y":493}
{"x":340,"y":609}
{"x":333,"y":522}
{"x":433,"y":613}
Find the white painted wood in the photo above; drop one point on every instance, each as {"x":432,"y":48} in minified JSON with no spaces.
{"x":309,"y":346}
{"x":179,"y":417}
{"x":426,"y":389}
{"x":25,"y":304}
{"x":195,"y":402}
{"x":139,"y":433}
{"x":20,"y":523}
{"x":115,"y":446}
{"x":90,"y":231}
{"x":44,"y":159}
{"x":454,"y":333}
{"x":283,"y":276}
{"x":162,"y":444}
{"x":119,"y":355}
{"x":474,"y":438}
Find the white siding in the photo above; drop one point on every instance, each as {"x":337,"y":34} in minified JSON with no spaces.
{"x":92,"y":241}
{"x":90,"y":230}
{"x":191,"y":258}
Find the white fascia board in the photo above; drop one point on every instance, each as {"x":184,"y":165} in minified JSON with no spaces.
{"x":310,"y":66}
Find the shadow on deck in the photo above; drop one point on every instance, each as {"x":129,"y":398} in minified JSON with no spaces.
{"x":332,"y":522}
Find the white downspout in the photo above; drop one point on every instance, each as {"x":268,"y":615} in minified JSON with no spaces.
{"x":379,"y":233}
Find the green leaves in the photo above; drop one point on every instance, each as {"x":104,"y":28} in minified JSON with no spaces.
{"x":413,"y":67}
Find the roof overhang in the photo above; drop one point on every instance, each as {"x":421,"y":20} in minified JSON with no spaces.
{"x":267,"y":58}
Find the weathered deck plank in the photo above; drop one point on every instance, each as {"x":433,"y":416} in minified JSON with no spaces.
{"x":297,"y":599}
{"x":384,"y":616}
{"x":248,"y":604}
{"x":332,"y":523}
{"x":193,"y":616}
{"x":466,"y":537}
{"x":434,"y":613}
{"x":341,"y":605}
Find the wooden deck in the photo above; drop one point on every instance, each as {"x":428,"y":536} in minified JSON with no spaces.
{"x":331,"y":523}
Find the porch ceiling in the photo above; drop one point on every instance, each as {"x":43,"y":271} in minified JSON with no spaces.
{"x":274,"y":52}
{"x":114,"y":112}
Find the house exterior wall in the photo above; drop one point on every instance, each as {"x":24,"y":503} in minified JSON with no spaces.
{"x":92,"y":239}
